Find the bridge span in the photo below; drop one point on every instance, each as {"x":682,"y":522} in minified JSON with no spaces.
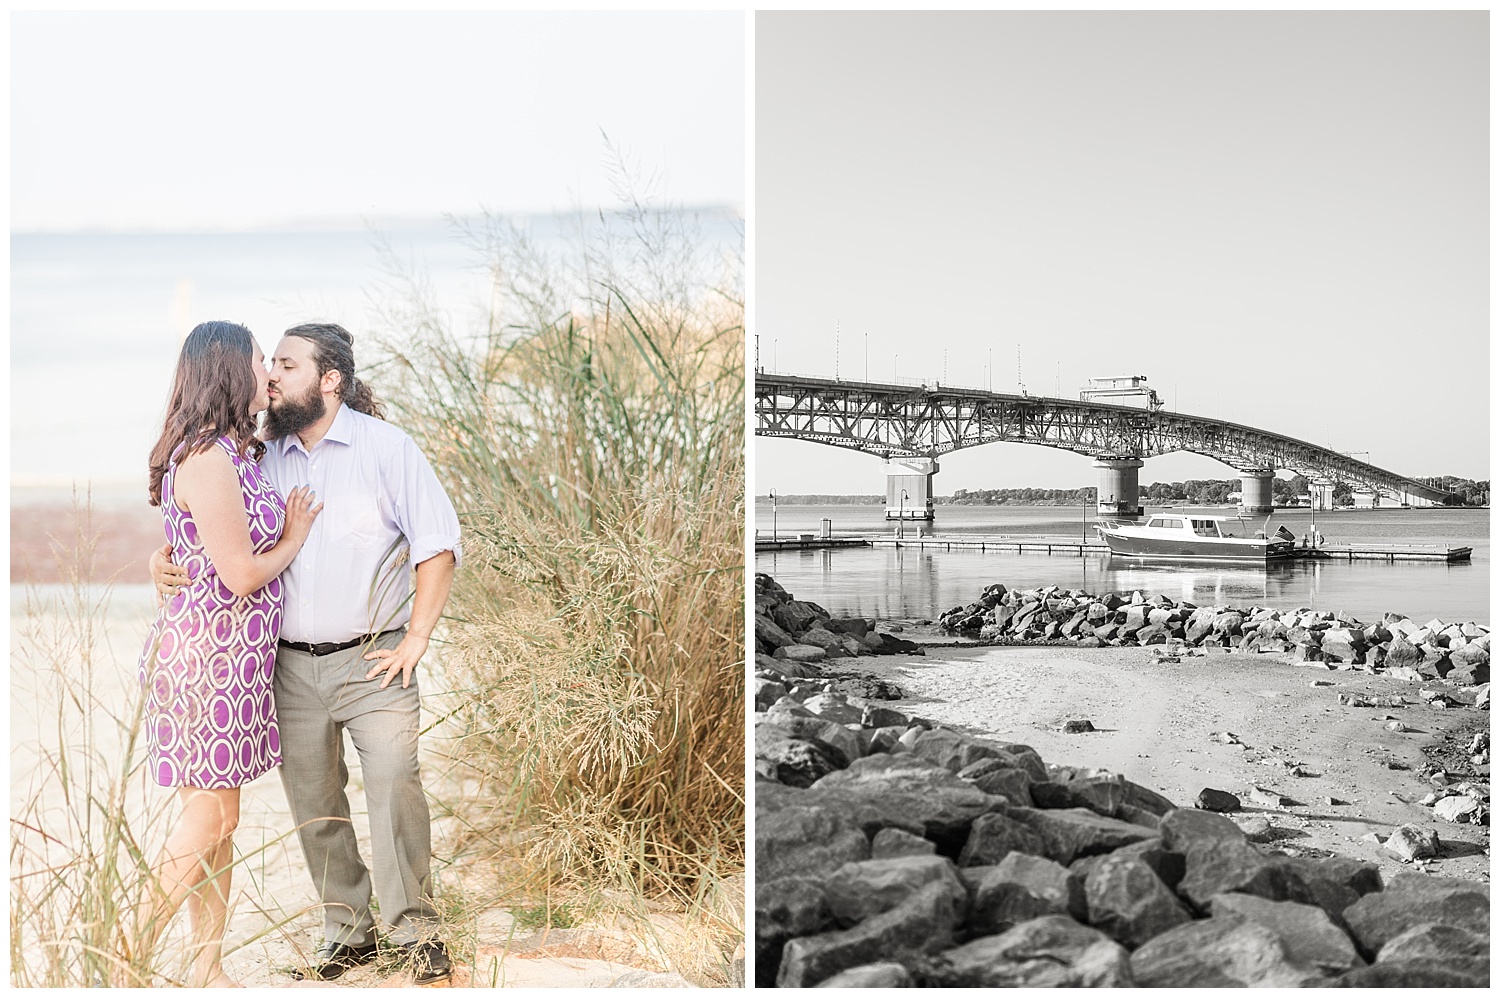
{"x":910,"y":426}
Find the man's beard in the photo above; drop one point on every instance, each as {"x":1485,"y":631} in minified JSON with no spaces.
{"x":293,"y":415}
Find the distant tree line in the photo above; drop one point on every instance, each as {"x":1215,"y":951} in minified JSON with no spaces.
{"x":995,"y":497}
{"x":819,"y":500}
{"x":1211,"y":492}
{"x":1470,"y":493}
{"x":1197,"y":491}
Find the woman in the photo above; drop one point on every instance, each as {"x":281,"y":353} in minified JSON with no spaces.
{"x":211,"y":722}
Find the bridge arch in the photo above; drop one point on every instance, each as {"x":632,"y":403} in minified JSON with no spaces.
{"x":905,"y":422}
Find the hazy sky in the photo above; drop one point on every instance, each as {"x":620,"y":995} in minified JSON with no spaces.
{"x":211,"y":120}
{"x":1280,"y":219}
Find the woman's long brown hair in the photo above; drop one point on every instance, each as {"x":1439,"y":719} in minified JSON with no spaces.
{"x":211,"y":397}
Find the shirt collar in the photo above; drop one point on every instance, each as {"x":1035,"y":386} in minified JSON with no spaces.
{"x":342,"y":432}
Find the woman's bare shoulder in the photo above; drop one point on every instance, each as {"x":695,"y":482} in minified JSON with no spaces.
{"x":204,"y":473}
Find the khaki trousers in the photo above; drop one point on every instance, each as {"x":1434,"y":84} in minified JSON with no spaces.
{"x":317,"y":699}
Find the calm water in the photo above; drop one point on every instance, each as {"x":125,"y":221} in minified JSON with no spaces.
{"x":99,"y":318}
{"x":905,"y":582}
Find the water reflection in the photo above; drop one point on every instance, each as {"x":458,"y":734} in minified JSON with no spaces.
{"x":1206,"y":583}
{"x":916,"y":583}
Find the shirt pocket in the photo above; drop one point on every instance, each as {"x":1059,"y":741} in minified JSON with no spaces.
{"x":359,"y":520}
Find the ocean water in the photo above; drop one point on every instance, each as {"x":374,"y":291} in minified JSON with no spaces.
{"x":911,"y":583}
{"x":97,"y":320}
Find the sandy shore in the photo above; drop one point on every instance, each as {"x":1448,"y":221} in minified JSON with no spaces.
{"x":1157,"y":724}
{"x":274,"y":922}
{"x":124,"y":536}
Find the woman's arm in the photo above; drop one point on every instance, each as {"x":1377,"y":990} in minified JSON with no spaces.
{"x":207,"y":486}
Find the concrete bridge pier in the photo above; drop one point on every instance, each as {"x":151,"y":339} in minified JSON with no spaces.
{"x":1255,"y":491}
{"x":1119,"y":487}
{"x":1322,"y":493}
{"x":914,"y":475}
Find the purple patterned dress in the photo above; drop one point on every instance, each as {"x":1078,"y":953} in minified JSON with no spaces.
{"x":206,"y":667}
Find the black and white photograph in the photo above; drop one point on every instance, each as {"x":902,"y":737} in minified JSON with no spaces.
{"x":1120,"y":499}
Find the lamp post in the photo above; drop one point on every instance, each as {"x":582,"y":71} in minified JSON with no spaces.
{"x":773,"y":515}
{"x":901,"y":516}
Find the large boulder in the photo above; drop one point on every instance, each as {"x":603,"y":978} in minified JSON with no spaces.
{"x":1022,"y":887}
{"x":922,"y":924}
{"x":833,"y":644}
{"x":856,"y":626}
{"x":943,"y":805}
{"x":1216,"y":953}
{"x":841,"y":740}
{"x":1411,"y":842}
{"x":1072,"y":832}
{"x":809,"y":842}
{"x":995,"y":836}
{"x":956,"y":751}
{"x":785,"y":908}
{"x":1100,"y":794}
{"x":869,"y":812}
{"x":1049,"y":952}
{"x":834,"y":707}
{"x":797,"y":616}
{"x":807,"y":654}
{"x":1222,"y":868}
{"x":870,"y":975}
{"x":1200,"y":624}
{"x":857,"y":891}
{"x":1168,"y":866}
{"x":1184,"y":829}
{"x":892,"y":842}
{"x":1308,"y":935}
{"x":1343,"y":644}
{"x":1412,"y":900}
{"x":1128,"y":901}
{"x":797,"y":762}
{"x":767,"y":692}
{"x":1401,"y":653}
{"x":995,"y":776}
{"x":770,"y":635}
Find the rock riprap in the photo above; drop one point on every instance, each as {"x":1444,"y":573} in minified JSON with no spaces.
{"x":894,"y":852}
{"x":1458,"y":653}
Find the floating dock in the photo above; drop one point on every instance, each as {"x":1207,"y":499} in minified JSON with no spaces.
{"x":1078,"y":548}
{"x":807,"y":542}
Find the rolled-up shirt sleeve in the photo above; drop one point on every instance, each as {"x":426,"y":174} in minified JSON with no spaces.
{"x":423,"y":510}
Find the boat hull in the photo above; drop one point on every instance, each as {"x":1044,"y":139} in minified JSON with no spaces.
{"x":1134,"y":545}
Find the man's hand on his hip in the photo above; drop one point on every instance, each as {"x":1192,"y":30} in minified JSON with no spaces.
{"x":403,"y":659}
{"x":169,"y":578}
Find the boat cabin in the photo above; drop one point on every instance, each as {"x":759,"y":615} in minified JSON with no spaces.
{"x":1203,"y":526}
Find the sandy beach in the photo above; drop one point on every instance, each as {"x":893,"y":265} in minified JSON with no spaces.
{"x":1162,"y":725}
{"x":274,"y":922}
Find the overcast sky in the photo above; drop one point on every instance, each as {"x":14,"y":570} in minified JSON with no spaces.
{"x":1280,"y":219}
{"x":216,"y":120}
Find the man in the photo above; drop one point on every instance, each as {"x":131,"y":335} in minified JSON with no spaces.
{"x":351,"y":626}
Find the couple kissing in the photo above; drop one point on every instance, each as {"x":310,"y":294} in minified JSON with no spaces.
{"x":288,"y":615}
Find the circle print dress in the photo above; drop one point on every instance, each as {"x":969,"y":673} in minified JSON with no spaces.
{"x":206,"y":667}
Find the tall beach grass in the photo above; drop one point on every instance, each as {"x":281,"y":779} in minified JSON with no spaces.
{"x":87,"y":823}
{"x":591,"y":433}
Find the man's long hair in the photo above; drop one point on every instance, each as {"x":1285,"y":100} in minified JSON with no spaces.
{"x":211,"y":397}
{"x":333,"y":349}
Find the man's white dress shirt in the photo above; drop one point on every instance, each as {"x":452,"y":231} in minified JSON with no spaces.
{"x":384,"y":512}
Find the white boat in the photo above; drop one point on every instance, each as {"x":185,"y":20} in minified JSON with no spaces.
{"x":1172,"y":537}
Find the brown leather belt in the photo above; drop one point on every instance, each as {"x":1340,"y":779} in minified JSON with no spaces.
{"x":329,"y":647}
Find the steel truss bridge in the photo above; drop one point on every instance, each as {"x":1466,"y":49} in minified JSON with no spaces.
{"x":896,"y":421}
